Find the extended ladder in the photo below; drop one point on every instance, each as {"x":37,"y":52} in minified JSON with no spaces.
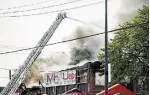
{"x":21,"y":73}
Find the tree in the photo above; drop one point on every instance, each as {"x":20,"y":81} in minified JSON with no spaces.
{"x":128,"y":52}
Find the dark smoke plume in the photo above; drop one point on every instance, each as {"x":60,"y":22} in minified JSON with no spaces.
{"x":79,"y":54}
{"x":84,"y":49}
{"x":87,"y":49}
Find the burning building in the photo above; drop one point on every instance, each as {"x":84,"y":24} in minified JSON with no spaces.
{"x":81,"y":77}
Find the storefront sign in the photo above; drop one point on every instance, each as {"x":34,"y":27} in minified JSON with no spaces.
{"x":60,"y":78}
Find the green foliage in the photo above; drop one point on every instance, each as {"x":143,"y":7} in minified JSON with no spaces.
{"x":128,"y":52}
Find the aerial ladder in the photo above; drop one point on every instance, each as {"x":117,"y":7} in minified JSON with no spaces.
{"x":21,"y":73}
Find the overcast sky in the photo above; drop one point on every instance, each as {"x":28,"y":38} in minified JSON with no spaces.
{"x":23,"y":32}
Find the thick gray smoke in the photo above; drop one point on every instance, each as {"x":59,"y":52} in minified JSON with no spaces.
{"x":80,"y":50}
{"x":79,"y":54}
{"x":87,"y":49}
{"x":84,"y":49}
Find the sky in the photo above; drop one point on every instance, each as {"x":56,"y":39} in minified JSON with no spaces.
{"x":25,"y":31}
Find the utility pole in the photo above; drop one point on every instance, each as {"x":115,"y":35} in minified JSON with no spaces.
{"x":9,"y":74}
{"x":106,"y":50}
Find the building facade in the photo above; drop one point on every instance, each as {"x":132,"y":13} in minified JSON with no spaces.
{"x":82,"y":77}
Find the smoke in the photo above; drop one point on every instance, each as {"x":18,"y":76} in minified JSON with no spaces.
{"x":34,"y":73}
{"x":43,"y":64}
{"x":79,"y":54}
{"x":81,"y":51}
{"x":84,"y":49}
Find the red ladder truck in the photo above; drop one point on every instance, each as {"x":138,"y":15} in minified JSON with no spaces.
{"x":114,"y":90}
{"x":117,"y":90}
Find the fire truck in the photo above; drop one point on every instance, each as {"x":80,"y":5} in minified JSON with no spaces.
{"x":114,"y":90}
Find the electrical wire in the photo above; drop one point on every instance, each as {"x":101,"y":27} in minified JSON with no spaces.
{"x":26,"y":5}
{"x":76,"y":38}
{"x":7,"y":69}
{"x":9,"y":47}
{"x":3,"y":77}
{"x":40,"y":8}
{"x":77,"y":7}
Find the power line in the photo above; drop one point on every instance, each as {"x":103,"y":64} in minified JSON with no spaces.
{"x":25,"y":53}
{"x":75,"y":38}
{"x":9,"y":47}
{"x":54,"y":11}
{"x":3,"y":77}
{"x":7,"y":69}
{"x":26,"y":5}
{"x":40,"y":8}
